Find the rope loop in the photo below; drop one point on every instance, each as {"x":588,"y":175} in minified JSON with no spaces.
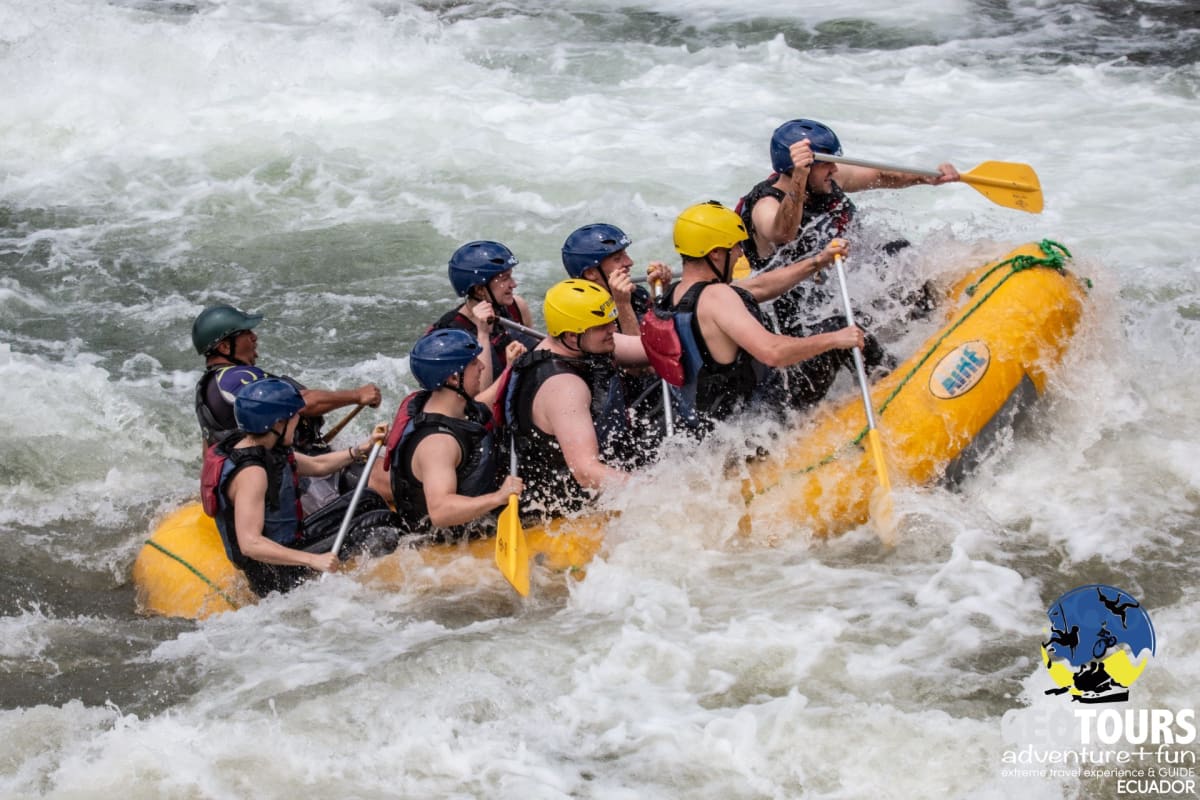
{"x":1054,"y":256}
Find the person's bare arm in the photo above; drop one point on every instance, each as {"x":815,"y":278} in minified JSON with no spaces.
{"x":321,"y":401}
{"x":247,"y":492}
{"x":562,"y":408}
{"x":331,"y":462}
{"x":629,"y":351}
{"x":771,"y":284}
{"x":728,"y":325}
{"x":620,"y":285}
{"x":776,"y":221}
{"x":854,"y":178}
{"x":434,"y":463}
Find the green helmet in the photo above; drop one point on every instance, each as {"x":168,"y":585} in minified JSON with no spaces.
{"x":216,"y":323}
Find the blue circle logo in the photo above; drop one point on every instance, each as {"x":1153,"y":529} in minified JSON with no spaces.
{"x":1099,"y":641}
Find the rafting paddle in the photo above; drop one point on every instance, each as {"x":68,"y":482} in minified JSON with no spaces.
{"x":336,"y":429}
{"x":512,"y":550}
{"x":882,"y":508}
{"x":358,"y":490}
{"x":1003,"y":182}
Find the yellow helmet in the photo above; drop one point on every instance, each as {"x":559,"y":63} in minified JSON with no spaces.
{"x":704,"y":227}
{"x":576,"y":305}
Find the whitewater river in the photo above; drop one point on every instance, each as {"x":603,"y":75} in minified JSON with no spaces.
{"x":318,"y":161}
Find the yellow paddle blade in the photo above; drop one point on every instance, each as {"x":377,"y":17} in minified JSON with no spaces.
{"x":512,"y":551}
{"x":882,"y":507}
{"x":1007,"y":184}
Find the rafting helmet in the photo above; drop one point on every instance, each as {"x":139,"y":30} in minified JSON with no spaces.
{"x":258,"y":405}
{"x":476,"y":263}
{"x":591,"y":244}
{"x":820,"y":137}
{"x":704,"y":227}
{"x":439,"y":354}
{"x":216,"y":323}
{"x":577,"y":306}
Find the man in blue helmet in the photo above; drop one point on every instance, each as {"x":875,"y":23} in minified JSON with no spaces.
{"x":482,"y":273}
{"x":598,"y":253}
{"x":801,"y":207}
{"x":441,"y":454}
{"x":805,"y":200}
{"x":256,"y":484}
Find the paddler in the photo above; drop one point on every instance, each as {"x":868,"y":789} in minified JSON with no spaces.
{"x":566,"y":408}
{"x":257,"y":491}
{"x":725,"y":321}
{"x":441,"y":472}
{"x":225,"y":336}
{"x":599,"y":253}
{"x":799,"y":209}
{"x":804,"y":201}
{"x":481,"y":272}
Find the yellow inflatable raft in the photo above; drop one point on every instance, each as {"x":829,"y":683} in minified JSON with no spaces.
{"x":1008,"y":324}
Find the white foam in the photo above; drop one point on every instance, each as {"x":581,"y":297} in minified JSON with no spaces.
{"x":320,"y":160}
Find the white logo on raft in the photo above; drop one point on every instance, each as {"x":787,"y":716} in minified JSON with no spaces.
{"x":959,"y":370}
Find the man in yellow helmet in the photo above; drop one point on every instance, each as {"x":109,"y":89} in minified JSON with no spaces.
{"x":566,"y":405}
{"x":723,"y":317}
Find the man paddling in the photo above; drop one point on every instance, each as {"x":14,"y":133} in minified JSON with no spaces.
{"x":567,"y":408}
{"x":440,"y":471}
{"x":802,"y":206}
{"x":599,"y":253}
{"x":725,"y":322}
{"x":804,"y":200}
{"x":257,"y":487}
{"x":225,"y":337}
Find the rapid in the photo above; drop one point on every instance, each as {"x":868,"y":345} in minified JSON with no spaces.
{"x":318,"y":161}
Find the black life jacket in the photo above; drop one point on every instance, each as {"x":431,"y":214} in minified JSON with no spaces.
{"x":825,"y":218}
{"x":282,"y":512}
{"x":212,"y":428}
{"x":549,"y":484}
{"x":713,"y":391}
{"x":476,"y":472}
{"x":218,"y":424}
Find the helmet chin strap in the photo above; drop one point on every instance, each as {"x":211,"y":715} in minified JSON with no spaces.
{"x":576,"y":348}
{"x":723,"y":275}
{"x":458,"y":387}
{"x":487,"y":287}
{"x":603,"y":278}
{"x":278,"y":435}
{"x":233,"y":352}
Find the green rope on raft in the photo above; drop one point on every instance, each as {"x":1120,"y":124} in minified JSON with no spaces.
{"x":233,"y":603}
{"x":1054,"y":257}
